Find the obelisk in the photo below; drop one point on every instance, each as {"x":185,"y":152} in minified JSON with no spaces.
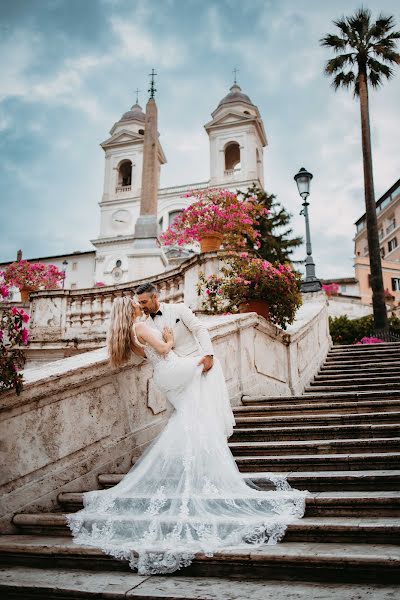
{"x":146,"y":244}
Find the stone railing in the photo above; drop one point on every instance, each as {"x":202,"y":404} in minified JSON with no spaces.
{"x":120,"y":189}
{"x":77,"y":418}
{"x":65,"y":322}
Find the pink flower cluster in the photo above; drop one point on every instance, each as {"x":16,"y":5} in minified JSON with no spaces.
{"x":36,"y":275}
{"x":213,"y":210}
{"x":370,"y":340}
{"x":330,"y":289}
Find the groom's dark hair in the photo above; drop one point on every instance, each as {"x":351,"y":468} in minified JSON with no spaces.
{"x":146,"y":288}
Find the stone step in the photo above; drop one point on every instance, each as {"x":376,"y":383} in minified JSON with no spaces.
{"x":316,"y":529}
{"x":25,"y":583}
{"x":354,"y":355}
{"x":244,"y":420}
{"x":323,"y":504}
{"x":388,"y":480}
{"x":363,"y":347}
{"x":288,"y":560}
{"x":385,"y":388}
{"x":341,"y":374}
{"x":325,"y":407}
{"x":316,"y":432}
{"x":351,"y":379}
{"x":367,"y":360}
{"x":362,"y":366}
{"x":346,"y":396}
{"x":317,"y":446}
{"x":319,"y":462}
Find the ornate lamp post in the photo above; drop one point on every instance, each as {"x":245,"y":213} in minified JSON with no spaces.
{"x":65,"y":263}
{"x":311,"y":283}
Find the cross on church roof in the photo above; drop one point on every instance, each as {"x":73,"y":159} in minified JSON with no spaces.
{"x":152,"y":89}
{"x":235,"y":72}
{"x":137,"y":95}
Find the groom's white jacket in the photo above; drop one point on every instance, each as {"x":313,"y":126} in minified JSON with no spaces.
{"x":191,"y":336}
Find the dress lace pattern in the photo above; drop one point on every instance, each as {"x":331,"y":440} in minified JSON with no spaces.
{"x":185,"y":494}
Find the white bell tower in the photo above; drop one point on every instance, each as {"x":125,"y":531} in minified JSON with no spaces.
{"x":237,"y":139}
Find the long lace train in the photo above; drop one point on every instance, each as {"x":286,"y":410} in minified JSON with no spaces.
{"x":185,"y":494}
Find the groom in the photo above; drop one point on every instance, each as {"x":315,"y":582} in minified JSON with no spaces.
{"x":191,"y":337}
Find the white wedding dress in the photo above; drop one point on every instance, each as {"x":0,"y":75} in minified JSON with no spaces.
{"x":185,"y":494}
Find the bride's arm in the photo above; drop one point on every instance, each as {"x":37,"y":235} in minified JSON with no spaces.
{"x":147,"y":334}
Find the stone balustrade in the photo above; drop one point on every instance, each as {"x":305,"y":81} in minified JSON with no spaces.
{"x":66,"y":322}
{"x":78,"y":417}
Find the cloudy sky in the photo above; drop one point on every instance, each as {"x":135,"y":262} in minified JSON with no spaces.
{"x":69,"y":71}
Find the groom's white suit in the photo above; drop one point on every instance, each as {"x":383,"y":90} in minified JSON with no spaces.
{"x":191,"y":337}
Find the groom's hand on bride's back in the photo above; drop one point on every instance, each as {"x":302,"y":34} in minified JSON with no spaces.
{"x":207,"y":362}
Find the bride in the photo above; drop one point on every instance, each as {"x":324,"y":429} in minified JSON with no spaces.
{"x":185,"y":494}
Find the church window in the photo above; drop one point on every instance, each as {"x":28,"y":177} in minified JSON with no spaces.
{"x":232,"y":156}
{"x":118,"y":263}
{"x":125,"y":174}
{"x":246,"y":112}
{"x":141,"y":131}
{"x":74,"y":266}
{"x":172,"y":216}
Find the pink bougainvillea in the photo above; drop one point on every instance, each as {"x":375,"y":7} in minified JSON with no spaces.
{"x":330,"y":289}
{"x":370,"y":340}
{"x":34,"y":275}
{"x":213,"y":210}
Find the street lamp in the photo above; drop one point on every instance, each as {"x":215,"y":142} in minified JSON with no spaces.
{"x":311,"y":283}
{"x":65,"y":263}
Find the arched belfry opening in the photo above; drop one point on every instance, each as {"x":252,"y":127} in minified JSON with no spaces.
{"x":125,"y":174}
{"x":232,"y":156}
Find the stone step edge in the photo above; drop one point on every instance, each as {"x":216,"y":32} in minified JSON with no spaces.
{"x":340,"y":395}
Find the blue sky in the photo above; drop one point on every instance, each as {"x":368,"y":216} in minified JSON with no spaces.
{"x":70,"y":68}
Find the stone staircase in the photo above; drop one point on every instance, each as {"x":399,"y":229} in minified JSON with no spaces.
{"x":340,"y":440}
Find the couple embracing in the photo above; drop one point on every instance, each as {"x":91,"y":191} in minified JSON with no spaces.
{"x":185,"y":495}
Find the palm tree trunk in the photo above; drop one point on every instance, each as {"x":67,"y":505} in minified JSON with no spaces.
{"x":378,"y":298}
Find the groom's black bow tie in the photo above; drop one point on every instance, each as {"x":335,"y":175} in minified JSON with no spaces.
{"x":155,"y":314}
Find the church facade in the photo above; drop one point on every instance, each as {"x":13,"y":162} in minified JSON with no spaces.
{"x":237,"y":140}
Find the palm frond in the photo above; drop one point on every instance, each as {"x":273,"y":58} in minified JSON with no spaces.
{"x":378,"y":68}
{"x":360,"y":22}
{"x":343,"y":25}
{"x":381,"y":27}
{"x":338,"y":62}
{"x":375,"y":79}
{"x":343,"y":79}
{"x":334,"y":41}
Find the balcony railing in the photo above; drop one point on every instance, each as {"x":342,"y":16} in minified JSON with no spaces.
{"x":232,"y":173}
{"x":390,"y":227}
{"x":121,"y":189}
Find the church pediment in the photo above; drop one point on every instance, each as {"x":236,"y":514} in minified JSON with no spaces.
{"x":229,"y":119}
{"x":121,"y":138}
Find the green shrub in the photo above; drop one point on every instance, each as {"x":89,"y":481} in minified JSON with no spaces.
{"x":350,"y":331}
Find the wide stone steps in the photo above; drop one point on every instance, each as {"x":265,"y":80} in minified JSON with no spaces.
{"x":323,"y":406}
{"x":307,"y":561}
{"x":369,"y":479}
{"x":366,"y":504}
{"x":337,"y":374}
{"x":351,"y":380}
{"x":315,"y":447}
{"x":363,"y":347}
{"x":321,"y":432}
{"x":315,"y":529}
{"x":263,"y":419}
{"x":314,"y":396}
{"x":318,"y":462}
{"x":355,"y":386}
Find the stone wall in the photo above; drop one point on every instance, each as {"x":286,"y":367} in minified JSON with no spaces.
{"x":78,"y":417}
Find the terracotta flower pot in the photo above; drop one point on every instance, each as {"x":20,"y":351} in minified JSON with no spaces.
{"x":25,"y":291}
{"x":261,"y":307}
{"x":211,"y":242}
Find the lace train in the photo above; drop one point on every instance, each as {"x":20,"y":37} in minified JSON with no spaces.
{"x":185,"y":494}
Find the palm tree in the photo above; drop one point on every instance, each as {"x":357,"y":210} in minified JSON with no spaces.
{"x":363,"y":52}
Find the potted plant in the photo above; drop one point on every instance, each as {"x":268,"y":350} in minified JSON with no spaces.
{"x":29,"y":277}
{"x":215,"y":216}
{"x":250,"y":284}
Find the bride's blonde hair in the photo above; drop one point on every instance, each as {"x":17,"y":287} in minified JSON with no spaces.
{"x":119,"y":336}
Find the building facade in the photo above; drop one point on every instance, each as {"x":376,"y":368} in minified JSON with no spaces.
{"x":388,"y":214}
{"x":237,"y":141}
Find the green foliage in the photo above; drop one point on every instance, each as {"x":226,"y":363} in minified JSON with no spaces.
{"x":276,"y":235}
{"x":350,"y":331}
